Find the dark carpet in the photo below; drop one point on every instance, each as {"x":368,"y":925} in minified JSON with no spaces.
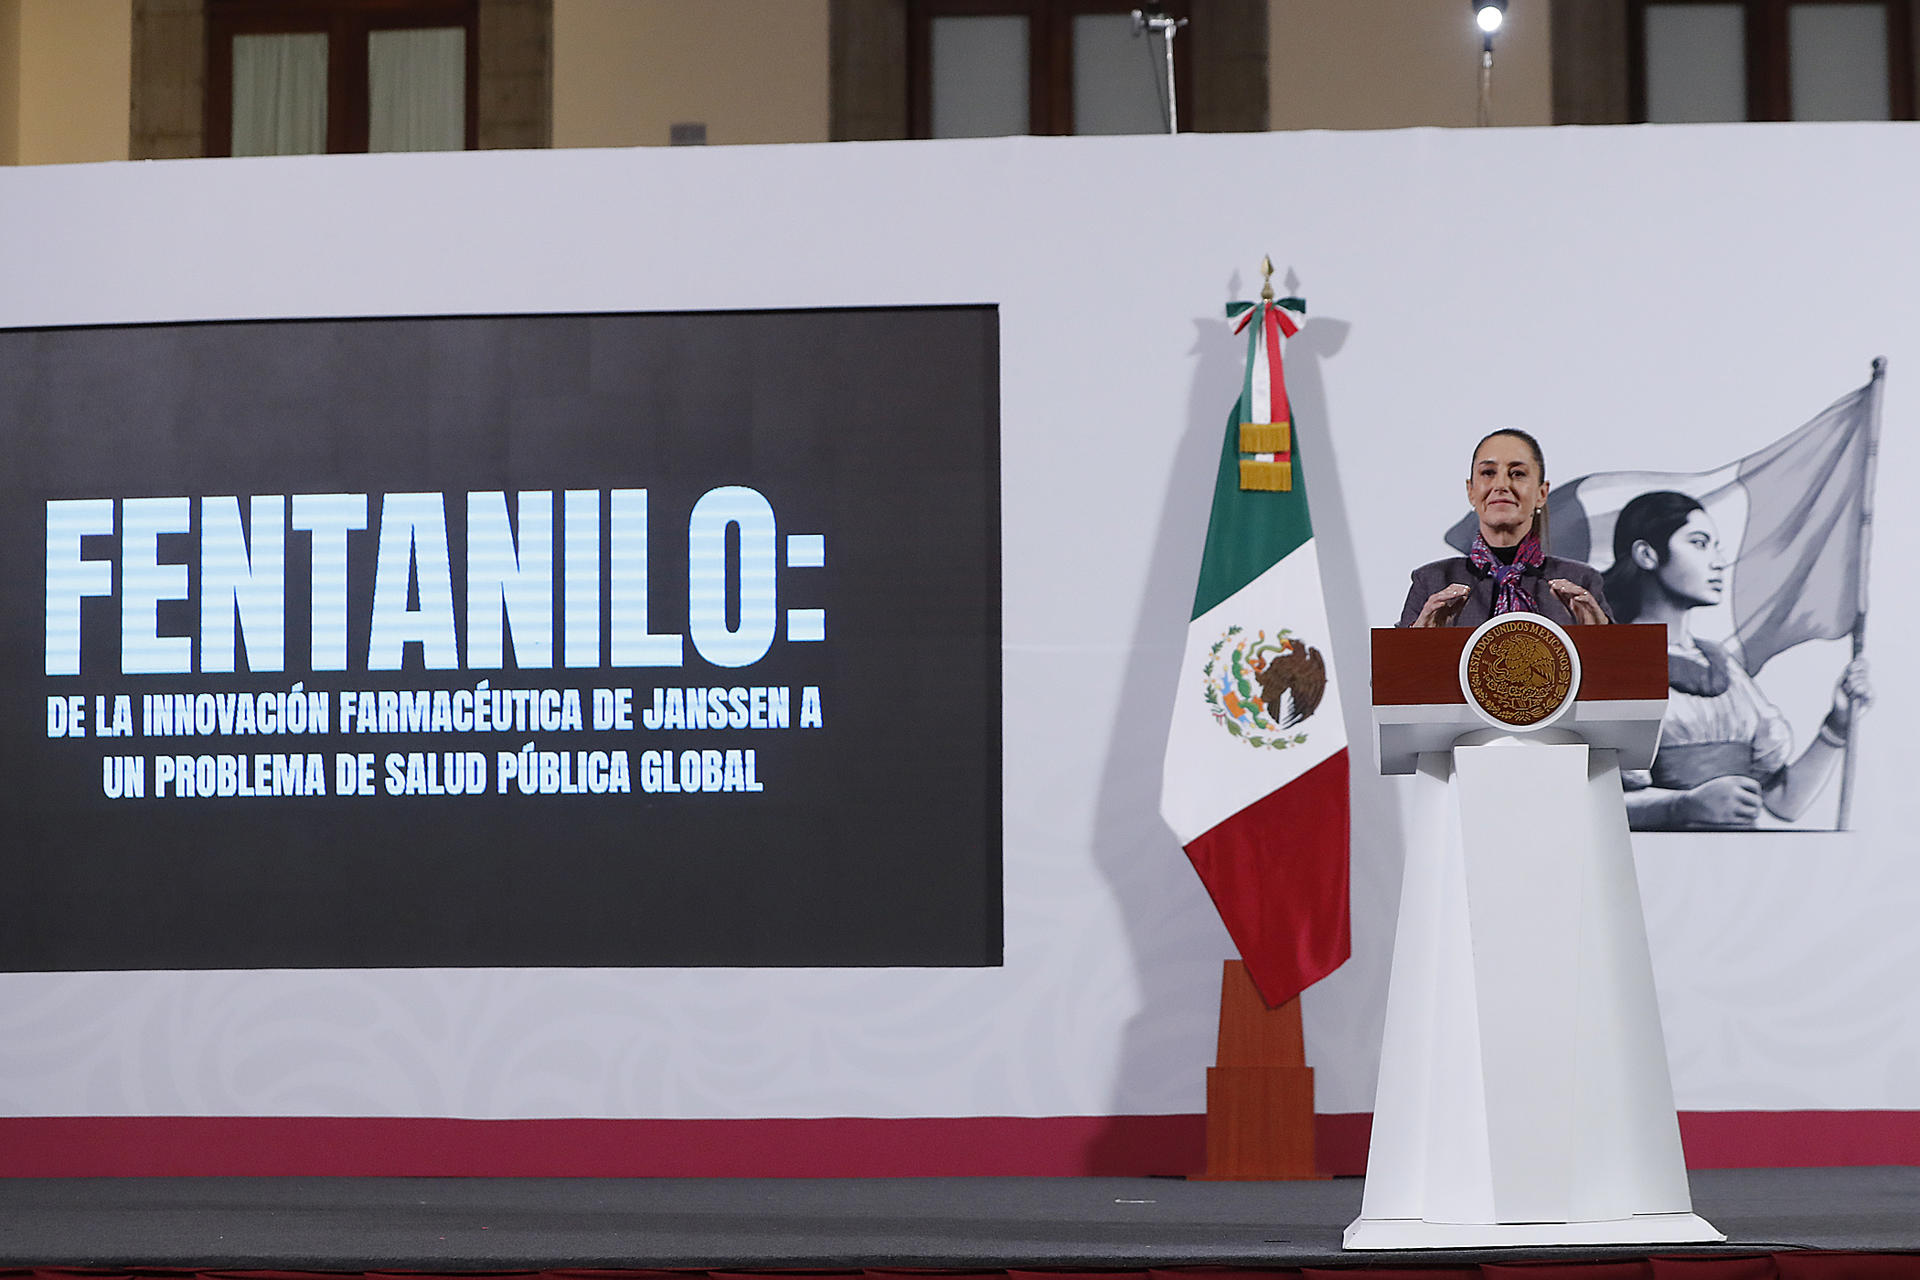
{"x":477,"y":1224}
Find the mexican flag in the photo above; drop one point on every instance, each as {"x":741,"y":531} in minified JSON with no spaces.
{"x":1255,"y":780}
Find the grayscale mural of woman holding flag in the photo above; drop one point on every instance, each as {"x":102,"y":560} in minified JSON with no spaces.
{"x":1742,"y":563}
{"x":1725,"y":749}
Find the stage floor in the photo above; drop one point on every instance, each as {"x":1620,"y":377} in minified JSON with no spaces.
{"x":514,"y":1224}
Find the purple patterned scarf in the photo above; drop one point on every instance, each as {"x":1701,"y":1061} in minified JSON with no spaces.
{"x":1508,"y":595}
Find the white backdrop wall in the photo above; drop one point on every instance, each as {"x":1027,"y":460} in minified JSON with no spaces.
{"x":1648,"y":298}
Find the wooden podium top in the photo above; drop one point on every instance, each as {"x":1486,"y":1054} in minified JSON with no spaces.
{"x":1419,"y":707}
{"x":1420,"y":666}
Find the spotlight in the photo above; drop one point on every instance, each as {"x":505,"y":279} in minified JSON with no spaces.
{"x":1487,"y":15}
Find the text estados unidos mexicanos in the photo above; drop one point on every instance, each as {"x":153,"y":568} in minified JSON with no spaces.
{"x":515,"y":572}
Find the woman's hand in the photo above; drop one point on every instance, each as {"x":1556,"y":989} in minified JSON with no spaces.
{"x":1579,"y":602}
{"x":1732,"y":801}
{"x":1852,"y":691}
{"x":1442,"y":605}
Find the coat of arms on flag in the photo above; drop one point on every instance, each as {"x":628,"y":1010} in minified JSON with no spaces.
{"x":1255,"y":779}
{"x":1742,"y":563}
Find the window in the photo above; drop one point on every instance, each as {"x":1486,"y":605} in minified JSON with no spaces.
{"x":1696,"y":60}
{"x":981,"y":68}
{"x":295,"y":77}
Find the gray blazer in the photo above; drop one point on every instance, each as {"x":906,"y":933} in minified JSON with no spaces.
{"x":1429,"y":578}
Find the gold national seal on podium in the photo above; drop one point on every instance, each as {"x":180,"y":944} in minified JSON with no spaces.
{"x":1520,"y":671}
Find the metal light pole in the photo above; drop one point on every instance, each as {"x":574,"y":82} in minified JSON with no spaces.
{"x":1488,"y":16}
{"x":1154,"y":18}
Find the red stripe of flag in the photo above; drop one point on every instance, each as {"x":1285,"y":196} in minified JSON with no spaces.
{"x":1277,"y":873}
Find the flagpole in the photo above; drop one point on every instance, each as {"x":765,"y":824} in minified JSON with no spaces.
{"x":1842,"y":817}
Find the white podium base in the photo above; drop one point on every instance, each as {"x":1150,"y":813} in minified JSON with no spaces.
{"x":1523,"y":1096}
{"x":1642,"y":1228}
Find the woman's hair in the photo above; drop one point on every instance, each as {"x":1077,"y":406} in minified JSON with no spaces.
{"x":1652,"y":518}
{"x":1539,"y":463}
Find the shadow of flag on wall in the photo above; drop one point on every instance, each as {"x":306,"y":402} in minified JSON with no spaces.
{"x":1795,"y":520}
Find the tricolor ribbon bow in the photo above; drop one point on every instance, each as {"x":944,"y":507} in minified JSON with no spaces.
{"x":1266,"y":433}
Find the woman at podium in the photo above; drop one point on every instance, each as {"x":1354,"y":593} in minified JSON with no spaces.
{"x":1507,"y":570}
{"x":1725,"y":749}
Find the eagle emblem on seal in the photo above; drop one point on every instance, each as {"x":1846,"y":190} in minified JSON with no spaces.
{"x":1261,"y":689}
{"x":1518,"y":672}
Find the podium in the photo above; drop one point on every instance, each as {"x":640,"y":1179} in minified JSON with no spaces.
{"x":1524,"y":1097}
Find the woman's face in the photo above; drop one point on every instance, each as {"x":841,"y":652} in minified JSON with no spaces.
{"x":1504,"y":489}
{"x":1696,"y":569}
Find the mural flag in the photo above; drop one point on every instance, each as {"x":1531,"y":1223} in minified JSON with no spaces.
{"x":1255,"y":777}
{"x":1794,"y":518}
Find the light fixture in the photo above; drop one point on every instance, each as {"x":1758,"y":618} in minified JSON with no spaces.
{"x":1153,"y":17}
{"x":1488,"y":15}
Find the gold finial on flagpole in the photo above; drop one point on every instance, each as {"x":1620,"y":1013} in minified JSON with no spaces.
{"x":1266,"y":279}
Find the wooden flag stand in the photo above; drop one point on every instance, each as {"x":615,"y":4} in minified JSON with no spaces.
{"x":1260,"y":1096}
